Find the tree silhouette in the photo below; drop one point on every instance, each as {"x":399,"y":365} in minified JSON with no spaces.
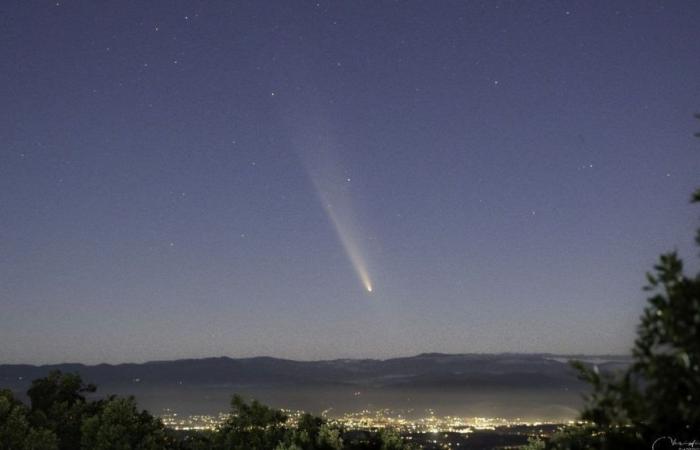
{"x":119,"y":425}
{"x":251,"y":426}
{"x":16,"y":432}
{"x":58,"y":404}
{"x":658,"y":397}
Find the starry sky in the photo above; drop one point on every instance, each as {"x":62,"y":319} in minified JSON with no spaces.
{"x":191,"y":179}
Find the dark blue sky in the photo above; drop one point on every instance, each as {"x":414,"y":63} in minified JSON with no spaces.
{"x":188,"y":179}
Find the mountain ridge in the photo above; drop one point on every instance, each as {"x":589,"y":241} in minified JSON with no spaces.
{"x":538,"y":385}
{"x":264,"y":369}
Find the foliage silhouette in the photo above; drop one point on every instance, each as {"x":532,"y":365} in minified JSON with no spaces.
{"x":58,"y":404}
{"x":119,"y":425}
{"x":61,"y":417}
{"x":658,"y":396}
{"x":16,"y":431}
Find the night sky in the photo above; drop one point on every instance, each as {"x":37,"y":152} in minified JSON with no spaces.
{"x":192,"y":179}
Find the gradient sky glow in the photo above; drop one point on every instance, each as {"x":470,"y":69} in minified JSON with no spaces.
{"x":506,"y":172}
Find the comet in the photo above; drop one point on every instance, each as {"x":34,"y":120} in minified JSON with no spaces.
{"x":341,"y":223}
{"x":320,"y":153}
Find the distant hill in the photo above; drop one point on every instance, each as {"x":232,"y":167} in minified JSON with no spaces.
{"x":530,"y":370}
{"x":462,"y":379}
